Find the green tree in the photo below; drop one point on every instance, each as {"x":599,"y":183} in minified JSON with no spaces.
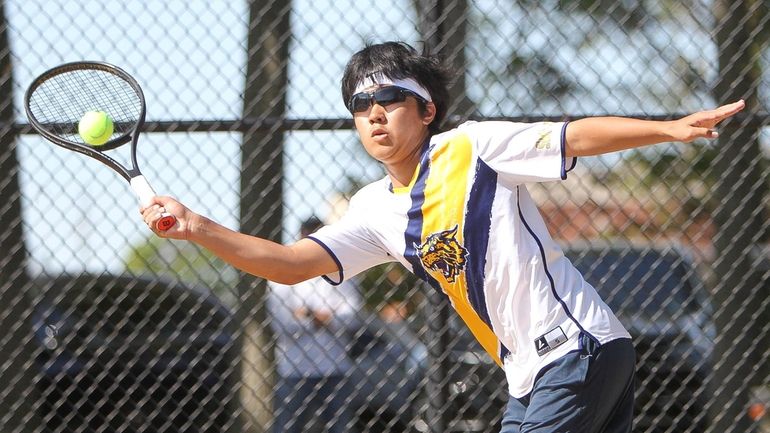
{"x":186,"y":262}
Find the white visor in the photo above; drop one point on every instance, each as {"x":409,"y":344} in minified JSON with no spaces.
{"x":372,"y":80}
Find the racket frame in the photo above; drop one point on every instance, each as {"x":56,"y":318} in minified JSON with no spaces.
{"x":133,"y":175}
{"x":131,"y":135}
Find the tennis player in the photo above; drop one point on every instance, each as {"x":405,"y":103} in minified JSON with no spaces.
{"x":454,"y":209}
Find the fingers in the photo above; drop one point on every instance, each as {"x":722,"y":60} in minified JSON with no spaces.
{"x":706,"y":133}
{"x":735,"y":106}
{"x":164,"y":204}
{"x":156,"y":217}
{"x":704,"y":122}
{"x":729,"y":110}
{"x":155,"y":201}
{"x":152,"y":214}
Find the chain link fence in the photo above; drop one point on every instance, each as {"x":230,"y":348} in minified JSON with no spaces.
{"x":108,"y":329}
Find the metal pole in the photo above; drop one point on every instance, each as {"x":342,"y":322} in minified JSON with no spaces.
{"x":437,"y":387}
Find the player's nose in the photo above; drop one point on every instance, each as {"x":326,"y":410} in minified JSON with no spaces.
{"x":377,"y":113}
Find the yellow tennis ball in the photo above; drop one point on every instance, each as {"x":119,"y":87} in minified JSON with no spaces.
{"x":95,"y":128}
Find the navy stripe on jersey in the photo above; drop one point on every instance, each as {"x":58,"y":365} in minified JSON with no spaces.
{"x":413,"y":233}
{"x":478,"y":220}
{"x":545,"y":266}
{"x":478,"y":223}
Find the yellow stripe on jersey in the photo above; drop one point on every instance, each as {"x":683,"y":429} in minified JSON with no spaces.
{"x":441,"y":252}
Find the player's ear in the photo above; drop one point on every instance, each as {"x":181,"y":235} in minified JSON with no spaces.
{"x":429,"y":113}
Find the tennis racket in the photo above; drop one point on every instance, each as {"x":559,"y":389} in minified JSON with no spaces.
{"x":57,"y":99}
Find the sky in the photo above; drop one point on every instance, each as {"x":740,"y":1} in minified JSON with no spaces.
{"x":189,"y":56}
{"x":79,"y":215}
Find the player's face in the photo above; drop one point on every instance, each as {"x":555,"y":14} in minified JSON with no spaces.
{"x":393,"y":132}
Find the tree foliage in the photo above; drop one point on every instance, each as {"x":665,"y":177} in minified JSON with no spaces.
{"x":183,"y":261}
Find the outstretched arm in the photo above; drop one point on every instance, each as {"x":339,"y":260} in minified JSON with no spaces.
{"x":285,"y":264}
{"x":600,"y":135}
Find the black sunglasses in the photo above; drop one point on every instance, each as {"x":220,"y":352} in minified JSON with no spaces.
{"x":382,"y":96}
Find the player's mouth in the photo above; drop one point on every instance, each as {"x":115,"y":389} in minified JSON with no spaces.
{"x":379,"y":134}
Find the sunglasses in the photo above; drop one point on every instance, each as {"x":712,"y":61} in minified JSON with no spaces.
{"x":382,"y":96}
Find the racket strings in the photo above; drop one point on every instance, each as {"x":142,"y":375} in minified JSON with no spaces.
{"x":59,"y":102}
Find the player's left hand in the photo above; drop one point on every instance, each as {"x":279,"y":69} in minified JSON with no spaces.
{"x":702,"y":123}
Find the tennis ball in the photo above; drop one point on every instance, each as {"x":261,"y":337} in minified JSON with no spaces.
{"x":95,"y":128}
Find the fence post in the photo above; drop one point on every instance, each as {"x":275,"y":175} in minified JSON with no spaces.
{"x":261,"y":201}
{"x":437,"y":385}
{"x":740,"y":294}
{"x":437,"y":390}
{"x":17,"y":368}
{"x":443,"y":27}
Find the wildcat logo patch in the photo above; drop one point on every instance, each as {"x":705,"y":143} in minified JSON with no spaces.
{"x":442,"y":253}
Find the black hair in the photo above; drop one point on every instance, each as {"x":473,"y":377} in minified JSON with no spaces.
{"x":398,"y":60}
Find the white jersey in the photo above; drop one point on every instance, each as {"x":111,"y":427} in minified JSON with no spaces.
{"x":467,"y":225}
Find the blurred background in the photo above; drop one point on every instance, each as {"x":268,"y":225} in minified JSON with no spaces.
{"x":107,"y":328}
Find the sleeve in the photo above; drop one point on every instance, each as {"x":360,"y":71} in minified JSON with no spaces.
{"x":522,"y":152}
{"x":350,"y":243}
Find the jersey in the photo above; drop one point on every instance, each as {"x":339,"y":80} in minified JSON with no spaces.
{"x":467,"y":225}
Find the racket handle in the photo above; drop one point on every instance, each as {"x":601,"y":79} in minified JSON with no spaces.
{"x":145,"y":193}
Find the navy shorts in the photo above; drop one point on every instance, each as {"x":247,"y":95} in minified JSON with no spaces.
{"x":590,"y":390}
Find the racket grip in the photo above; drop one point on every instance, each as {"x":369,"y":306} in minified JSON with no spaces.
{"x":165,"y":222}
{"x":145,"y":193}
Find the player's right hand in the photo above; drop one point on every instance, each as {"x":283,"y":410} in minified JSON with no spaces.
{"x":185,"y":218}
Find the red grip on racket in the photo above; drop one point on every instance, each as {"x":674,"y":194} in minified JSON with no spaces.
{"x":165,"y":222}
